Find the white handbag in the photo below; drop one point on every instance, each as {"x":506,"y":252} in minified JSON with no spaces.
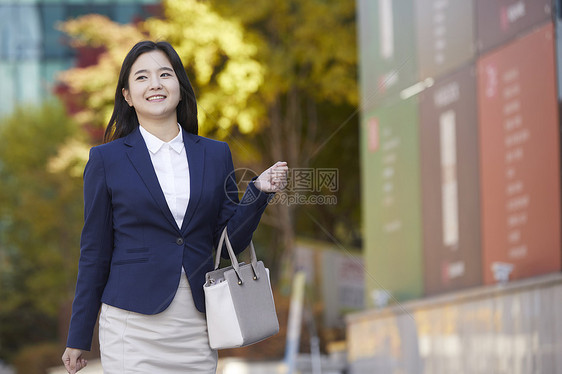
{"x":239,"y":301}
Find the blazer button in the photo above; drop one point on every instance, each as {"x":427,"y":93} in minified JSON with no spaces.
{"x":179,"y":241}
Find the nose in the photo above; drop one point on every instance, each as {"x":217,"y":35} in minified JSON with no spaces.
{"x":155,"y":83}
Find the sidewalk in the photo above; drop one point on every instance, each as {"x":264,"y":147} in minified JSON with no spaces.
{"x":4,"y":369}
{"x":94,"y":367}
{"x":231,"y":365}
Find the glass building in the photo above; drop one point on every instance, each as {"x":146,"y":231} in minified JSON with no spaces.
{"x":33,"y":51}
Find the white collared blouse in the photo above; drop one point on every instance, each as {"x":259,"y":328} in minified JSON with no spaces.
{"x":171,"y":166}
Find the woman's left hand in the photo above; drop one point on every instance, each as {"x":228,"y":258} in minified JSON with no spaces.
{"x":273,"y":179}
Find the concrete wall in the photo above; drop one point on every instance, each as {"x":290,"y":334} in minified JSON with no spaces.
{"x":514,"y":328}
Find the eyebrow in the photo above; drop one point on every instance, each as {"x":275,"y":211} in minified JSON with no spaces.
{"x":146,"y":71}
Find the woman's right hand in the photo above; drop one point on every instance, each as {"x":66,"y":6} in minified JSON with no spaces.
{"x":73,"y":360}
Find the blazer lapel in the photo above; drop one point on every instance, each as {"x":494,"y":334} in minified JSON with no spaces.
{"x":140,"y":158}
{"x":196,"y":159}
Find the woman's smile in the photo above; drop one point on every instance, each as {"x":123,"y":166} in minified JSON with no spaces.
{"x":157,"y":98}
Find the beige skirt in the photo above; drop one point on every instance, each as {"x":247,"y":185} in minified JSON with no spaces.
{"x":174,"y":341}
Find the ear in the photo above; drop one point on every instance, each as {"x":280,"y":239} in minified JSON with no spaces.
{"x":127,"y":96}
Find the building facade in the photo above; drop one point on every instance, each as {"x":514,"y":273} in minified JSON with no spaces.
{"x":33,"y":51}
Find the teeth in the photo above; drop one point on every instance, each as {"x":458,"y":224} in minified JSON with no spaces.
{"x":156,"y":98}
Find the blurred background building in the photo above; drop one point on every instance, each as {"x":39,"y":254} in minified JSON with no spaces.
{"x":460,"y":134}
{"x":33,"y":50}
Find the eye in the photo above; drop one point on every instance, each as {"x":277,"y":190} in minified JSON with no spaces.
{"x":165,"y":75}
{"x":140,"y":77}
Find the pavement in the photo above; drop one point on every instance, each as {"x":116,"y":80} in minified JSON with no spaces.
{"x":4,"y":369}
{"x":93,"y":367}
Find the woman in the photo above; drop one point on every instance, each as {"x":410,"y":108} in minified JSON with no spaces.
{"x":156,"y":198}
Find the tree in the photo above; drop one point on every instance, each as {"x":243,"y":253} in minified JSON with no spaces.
{"x":309,"y":50}
{"x":214,"y":49}
{"x":40,"y":222}
{"x":92,"y":88}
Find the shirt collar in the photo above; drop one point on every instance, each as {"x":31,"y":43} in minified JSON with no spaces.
{"x":154,"y":144}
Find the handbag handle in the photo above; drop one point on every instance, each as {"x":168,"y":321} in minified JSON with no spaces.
{"x":254,"y":260}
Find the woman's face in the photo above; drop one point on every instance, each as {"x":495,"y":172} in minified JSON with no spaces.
{"x":154,"y":89}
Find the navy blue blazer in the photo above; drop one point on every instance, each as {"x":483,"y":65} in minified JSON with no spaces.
{"x":131,"y":249}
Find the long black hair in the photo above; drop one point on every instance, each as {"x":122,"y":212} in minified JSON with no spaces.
{"x":124,"y":118}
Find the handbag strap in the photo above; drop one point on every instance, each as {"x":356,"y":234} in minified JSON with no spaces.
{"x":235,"y":265}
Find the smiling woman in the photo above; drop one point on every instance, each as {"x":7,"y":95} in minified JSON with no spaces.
{"x":154,"y":93}
{"x":156,"y":198}
{"x":152,"y":69}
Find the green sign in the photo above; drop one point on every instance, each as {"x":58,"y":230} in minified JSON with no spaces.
{"x":391,"y":201}
{"x":388,"y":49}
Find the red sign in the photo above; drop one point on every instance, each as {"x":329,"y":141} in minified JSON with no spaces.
{"x":520,"y":158}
